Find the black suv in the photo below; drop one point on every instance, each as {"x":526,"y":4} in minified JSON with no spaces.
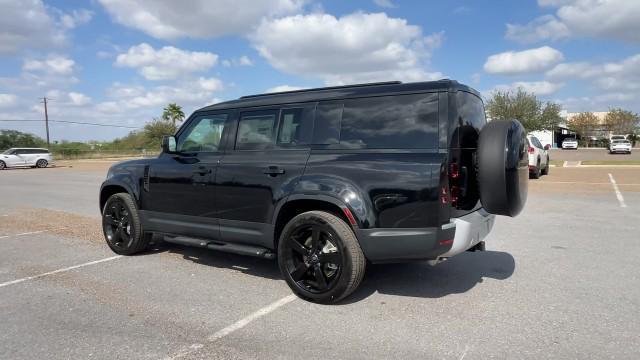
{"x":326,"y":180}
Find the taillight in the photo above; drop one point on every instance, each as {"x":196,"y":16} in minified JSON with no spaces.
{"x":531,"y":150}
{"x":455,"y":195}
{"x":454,"y":173}
{"x":444,"y":196}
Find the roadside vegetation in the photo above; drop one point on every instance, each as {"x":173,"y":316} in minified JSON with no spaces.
{"x":142,"y":142}
{"x":526,"y":107}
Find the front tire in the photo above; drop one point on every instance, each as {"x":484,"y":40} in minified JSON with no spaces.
{"x":320,"y":258}
{"x":121,"y":225}
{"x":42,"y":163}
{"x":2,"y":165}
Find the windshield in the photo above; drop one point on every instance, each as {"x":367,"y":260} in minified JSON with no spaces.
{"x":7,"y":152}
{"x":621,"y":142}
{"x":569,"y":140}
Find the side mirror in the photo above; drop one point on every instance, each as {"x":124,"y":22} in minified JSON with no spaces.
{"x":168,"y":144}
{"x":547,"y":147}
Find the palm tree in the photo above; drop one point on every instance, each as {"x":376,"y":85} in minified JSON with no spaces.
{"x":173,"y":112}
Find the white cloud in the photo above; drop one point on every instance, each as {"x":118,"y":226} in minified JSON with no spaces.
{"x":354,"y":48}
{"x":522,"y":62}
{"x":75,"y":18}
{"x":188,"y":93}
{"x":546,"y":27}
{"x":281,"y":88}
{"x":53,"y":64}
{"x":79,"y":99}
{"x":614,"y":83}
{"x":610,"y":19}
{"x":384,"y":3}
{"x":169,"y":19}
{"x":27,"y":24}
{"x":540,"y":88}
{"x":7,"y":100}
{"x":241,"y":61}
{"x":166,"y":63}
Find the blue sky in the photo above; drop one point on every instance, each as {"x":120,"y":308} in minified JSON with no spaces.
{"x":120,"y":62}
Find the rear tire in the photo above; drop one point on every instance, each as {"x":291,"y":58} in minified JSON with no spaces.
{"x":122,"y":227}
{"x":545,"y":171}
{"x":535,"y":174}
{"x":320,"y":257}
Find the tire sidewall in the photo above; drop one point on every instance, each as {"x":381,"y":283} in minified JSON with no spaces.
{"x":136,"y":230}
{"x":42,"y":163}
{"x":3,"y":165}
{"x":347,"y":267}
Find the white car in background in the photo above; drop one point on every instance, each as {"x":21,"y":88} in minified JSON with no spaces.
{"x":570,"y":143}
{"x":620,"y":146}
{"x":20,"y":157}
{"x":538,"y":158}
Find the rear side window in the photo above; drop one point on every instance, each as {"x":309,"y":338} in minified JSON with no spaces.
{"x":326,"y":129}
{"x":388,"y":122}
{"x":471,"y":119}
{"x":256,"y":130}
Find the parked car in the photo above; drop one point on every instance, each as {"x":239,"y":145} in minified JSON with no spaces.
{"x":538,"y":158}
{"x":613,"y":138}
{"x":325,"y":180}
{"x":20,"y":157}
{"x":620,"y":146}
{"x":570,"y":143}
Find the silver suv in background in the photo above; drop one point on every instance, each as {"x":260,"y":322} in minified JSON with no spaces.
{"x":21,"y":157}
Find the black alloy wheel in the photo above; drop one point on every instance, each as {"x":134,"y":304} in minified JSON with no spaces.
{"x":320,"y":257}
{"x":313,"y":260}
{"x":121,"y":225}
{"x":117,"y":225}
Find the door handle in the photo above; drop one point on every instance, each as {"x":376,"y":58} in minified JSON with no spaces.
{"x":273,"y":171}
{"x":202,"y":171}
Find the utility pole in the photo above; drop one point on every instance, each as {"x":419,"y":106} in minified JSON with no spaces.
{"x":46,"y":120}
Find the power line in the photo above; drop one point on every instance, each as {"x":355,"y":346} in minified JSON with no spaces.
{"x":72,"y":122}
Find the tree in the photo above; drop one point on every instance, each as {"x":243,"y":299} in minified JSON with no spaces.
{"x":621,"y":121}
{"x":173,"y":113}
{"x":14,"y":138}
{"x":155,"y":130}
{"x":526,"y":108}
{"x":583,"y":124}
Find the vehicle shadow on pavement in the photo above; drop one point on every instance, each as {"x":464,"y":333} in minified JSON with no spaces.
{"x":246,"y":264}
{"x":419,"y":279}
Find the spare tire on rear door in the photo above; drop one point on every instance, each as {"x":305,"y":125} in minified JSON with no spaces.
{"x":503,"y":167}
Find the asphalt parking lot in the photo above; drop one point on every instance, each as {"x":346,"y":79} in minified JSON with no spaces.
{"x":559,"y":281}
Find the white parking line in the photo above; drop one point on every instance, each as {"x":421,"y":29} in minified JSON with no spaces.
{"x":617,"y":191}
{"x":237,"y":325}
{"x":4,"y":215}
{"x":22,"y":234}
{"x":13,"y":282}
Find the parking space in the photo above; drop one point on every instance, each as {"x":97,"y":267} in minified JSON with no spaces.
{"x":559,"y":281}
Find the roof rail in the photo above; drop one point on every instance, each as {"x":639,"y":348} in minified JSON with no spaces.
{"x":324,"y":88}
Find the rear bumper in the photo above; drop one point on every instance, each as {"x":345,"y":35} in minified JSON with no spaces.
{"x":470,"y":230}
{"x":567,"y":146}
{"x":399,"y":245}
{"x":621,"y":149}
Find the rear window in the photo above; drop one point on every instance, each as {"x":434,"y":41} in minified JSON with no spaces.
{"x":388,"y":122}
{"x":471,"y":119}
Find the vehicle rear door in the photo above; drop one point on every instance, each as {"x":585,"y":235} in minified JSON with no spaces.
{"x":179,"y":195}
{"x":268,"y":157}
{"x":31,"y":156}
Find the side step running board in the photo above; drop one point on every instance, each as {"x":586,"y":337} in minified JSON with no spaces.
{"x":239,"y":249}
